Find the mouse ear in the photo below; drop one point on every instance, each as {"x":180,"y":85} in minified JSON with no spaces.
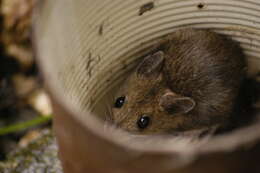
{"x":175,"y":104}
{"x":151,"y":65}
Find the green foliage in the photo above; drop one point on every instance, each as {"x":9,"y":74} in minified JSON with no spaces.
{"x":25,"y":125}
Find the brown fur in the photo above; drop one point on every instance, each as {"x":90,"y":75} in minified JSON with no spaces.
{"x":194,"y":85}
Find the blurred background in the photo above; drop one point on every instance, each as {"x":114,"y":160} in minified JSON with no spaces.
{"x":24,"y":106}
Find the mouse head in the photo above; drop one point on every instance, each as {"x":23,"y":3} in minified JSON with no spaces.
{"x":145,"y":104}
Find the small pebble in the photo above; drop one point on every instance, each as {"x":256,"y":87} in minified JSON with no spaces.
{"x":41,"y":102}
{"x":29,"y":137}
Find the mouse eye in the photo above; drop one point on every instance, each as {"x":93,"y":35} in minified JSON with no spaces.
{"x":143,"y":121}
{"x":119,"y":102}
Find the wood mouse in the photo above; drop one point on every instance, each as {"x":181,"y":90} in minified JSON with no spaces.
{"x":190,"y":81}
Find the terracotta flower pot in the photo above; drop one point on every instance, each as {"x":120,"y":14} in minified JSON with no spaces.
{"x":85,"y":49}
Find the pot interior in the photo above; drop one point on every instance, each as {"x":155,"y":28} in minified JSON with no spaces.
{"x":87,"y":48}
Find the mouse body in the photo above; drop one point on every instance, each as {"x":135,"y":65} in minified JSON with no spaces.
{"x":190,"y":81}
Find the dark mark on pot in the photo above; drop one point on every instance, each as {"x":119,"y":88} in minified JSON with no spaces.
{"x":200,"y":6}
{"x":89,"y":61}
{"x":146,"y":7}
{"x":101,"y":29}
